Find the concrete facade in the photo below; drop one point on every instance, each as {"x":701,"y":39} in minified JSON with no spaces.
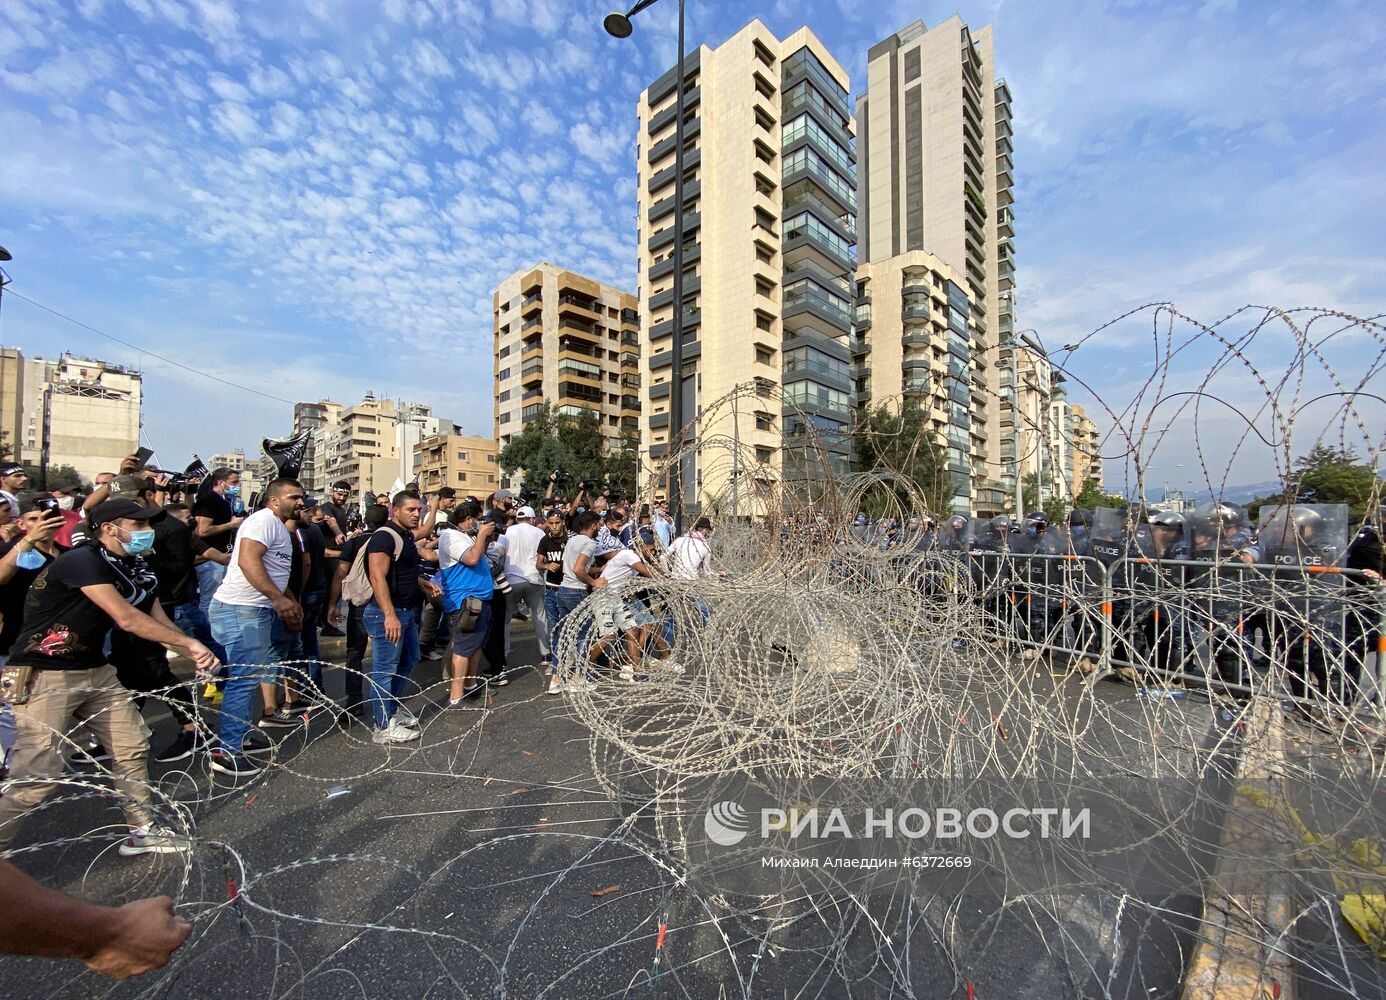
{"x":936,"y":176}
{"x":466,"y":463}
{"x":569,"y":340}
{"x":319,"y":419}
{"x":369,"y":447}
{"x":86,"y":411}
{"x":769,"y":225}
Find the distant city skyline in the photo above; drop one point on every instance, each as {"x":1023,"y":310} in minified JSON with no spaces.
{"x":312,"y":207}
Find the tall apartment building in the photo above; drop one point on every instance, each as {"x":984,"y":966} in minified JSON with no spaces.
{"x":768,"y":231}
{"x":1087,"y":455}
{"x":319,"y":419}
{"x":233,"y":460}
{"x":466,"y":463}
{"x":77,"y":411}
{"x":935,"y":178}
{"x":1031,"y":437}
{"x":568,"y":340}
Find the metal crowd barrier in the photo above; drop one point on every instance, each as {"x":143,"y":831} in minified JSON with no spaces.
{"x":1223,"y":624}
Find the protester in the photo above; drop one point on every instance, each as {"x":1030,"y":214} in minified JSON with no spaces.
{"x":21,"y":561}
{"x":114,"y":941}
{"x":520,"y":543}
{"x":334,"y":510}
{"x":243,"y":613}
{"x":578,"y":554}
{"x":690,"y":556}
{"x":465,"y":574}
{"x":313,"y":597}
{"x":142,"y":665}
{"x":356,"y":638}
{"x":615,"y":617}
{"x":391,"y":620}
{"x":549,"y":560}
{"x":68,"y":616}
{"x":13,"y":481}
{"x":216,"y":523}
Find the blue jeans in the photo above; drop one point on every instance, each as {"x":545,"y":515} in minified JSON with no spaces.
{"x":247,"y":633}
{"x":314,"y":602}
{"x":564,"y":601}
{"x":192,"y":620}
{"x":551,"y":619}
{"x":209,"y":577}
{"x":391,"y":662}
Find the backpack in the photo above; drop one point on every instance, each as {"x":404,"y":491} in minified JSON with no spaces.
{"x":356,"y":588}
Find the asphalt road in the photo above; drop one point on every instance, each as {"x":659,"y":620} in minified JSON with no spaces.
{"x":469,"y":863}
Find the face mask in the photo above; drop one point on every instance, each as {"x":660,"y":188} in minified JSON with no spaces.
{"x":140,"y":542}
{"x":65,"y":503}
{"x":1078,"y":531}
{"x":233,"y":491}
{"x":33,"y":559}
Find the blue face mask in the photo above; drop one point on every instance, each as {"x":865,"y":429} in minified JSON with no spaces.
{"x":233,"y":491}
{"x":32,"y":559}
{"x":1078,"y":531}
{"x":140,"y":542}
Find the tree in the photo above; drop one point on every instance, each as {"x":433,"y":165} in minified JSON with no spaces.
{"x":1056,"y":507}
{"x":623,"y":465}
{"x":1328,"y":475}
{"x":5,"y":450}
{"x":1093,"y":496}
{"x":902,"y":443}
{"x":570,"y":443}
{"x":56,"y":473}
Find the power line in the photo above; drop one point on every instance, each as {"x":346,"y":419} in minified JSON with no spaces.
{"x":9,"y":290}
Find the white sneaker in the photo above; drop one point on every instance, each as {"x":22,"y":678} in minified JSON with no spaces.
{"x":555,"y":685}
{"x":393,"y":733}
{"x":154,"y":840}
{"x":1030,"y":654}
{"x":436,"y":654}
{"x":406,"y":718}
{"x":627,"y":676}
{"x":670,"y":666}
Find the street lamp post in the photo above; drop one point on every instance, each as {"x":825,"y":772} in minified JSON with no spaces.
{"x":618,"y":25}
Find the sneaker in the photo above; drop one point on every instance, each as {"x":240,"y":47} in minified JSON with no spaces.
{"x":232,"y":764}
{"x":1030,"y":654}
{"x":671,"y":666}
{"x":434,"y":654}
{"x":154,"y":840}
{"x":501,"y":682}
{"x":331,"y":633}
{"x":406,"y":718}
{"x":393,"y":733}
{"x":282,"y":719}
{"x":90,"y":755}
{"x":473,"y":690}
{"x":184,"y":745}
{"x":555,"y":686}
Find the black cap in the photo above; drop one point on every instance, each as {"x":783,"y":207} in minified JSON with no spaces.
{"x":447,"y":493}
{"x":10,"y":468}
{"x":115,"y":510}
{"x":62,"y":486}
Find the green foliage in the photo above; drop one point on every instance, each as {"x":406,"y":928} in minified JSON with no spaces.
{"x":1094,"y":496}
{"x":1056,"y":507}
{"x":1328,"y":475}
{"x":5,"y":450}
{"x":573,"y":444}
{"x":56,"y":473}
{"x":902,"y":443}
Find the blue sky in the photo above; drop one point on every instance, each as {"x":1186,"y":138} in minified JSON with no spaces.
{"x":315,"y":197}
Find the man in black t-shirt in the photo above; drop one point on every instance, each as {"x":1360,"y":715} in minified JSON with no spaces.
{"x":355,"y":631}
{"x":334,"y":511}
{"x":391,"y":619}
{"x":68,"y":615}
{"x":21,"y":561}
{"x":215,"y":523}
{"x":550,"y":562}
{"x":142,"y":665}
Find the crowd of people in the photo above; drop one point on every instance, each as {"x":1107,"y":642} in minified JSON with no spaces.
{"x":99,"y":592}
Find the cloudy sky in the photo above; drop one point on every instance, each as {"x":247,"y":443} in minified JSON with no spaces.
{"x":313,"y":198}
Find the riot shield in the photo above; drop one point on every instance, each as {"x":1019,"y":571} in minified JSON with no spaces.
{"x":1108,"y":534}
{"x":1306,"y":534}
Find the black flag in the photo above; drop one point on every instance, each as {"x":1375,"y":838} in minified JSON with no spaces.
{"x":197,"y":469}
{"x":287,"y":455}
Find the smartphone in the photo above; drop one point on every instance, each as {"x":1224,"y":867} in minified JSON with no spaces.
{"x":48,"y":504}
{"x":143,"y":456}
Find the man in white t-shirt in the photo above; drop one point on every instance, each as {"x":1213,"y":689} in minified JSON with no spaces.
{"x":690,"y":556}
{"x":520,"y":544}
{"x":615,"y":616}
{"x":250,"y":603}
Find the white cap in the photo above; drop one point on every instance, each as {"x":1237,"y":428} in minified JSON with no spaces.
{"x":525,"y":512}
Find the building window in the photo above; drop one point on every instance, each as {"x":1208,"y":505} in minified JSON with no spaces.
{"x":503,"y":396}
{"x":490,"y":477}
{"x":461,"y":477}
{"x":505,"y":418}
{"x":490,"y":458}
{"x":503,"y":374}
{"x":461,"y":456}
{"x":765,"y":355}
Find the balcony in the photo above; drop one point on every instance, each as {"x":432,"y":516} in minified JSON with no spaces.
{"x":580,"y":306}
{"x":629,"y":360}
{"x":806,"y":240}
{"x":664,"y":299}
{"x":691,"y":159}
{"x":914,"y":309}
{"x":691,"y":320}
{"x":630,"y":404}
{"x":666,"y":117}
{"x":574,"y":328}
{"x":915,"y":388}
{"x":863,"y":318}
{"x":665,"y":206}
{"x":531,"y":304}
{"x":692,"y":252}
{"x":828,"y":181}
{"x":532,"y":352}
{"x":664,"y":238}
{"x":532,"y":375}
{"x":916,"y":339}
{"x":665,"y":147}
